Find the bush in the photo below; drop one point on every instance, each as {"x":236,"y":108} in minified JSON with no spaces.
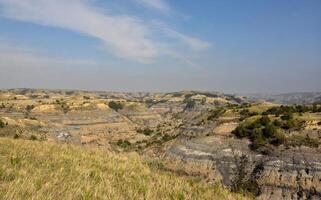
{"x":145,"y":131}
{"x":278,"y":138}
{"x":261,"y":132}
{"x":269,"y":131}
{"x":265,"y":120}
{"x":241,"y":131}
{"x":123,"y":143}
{"x":245,"y":113}
{"x":2,"y":124}
{"x":287,"y":116}
{"x":115,"y":105}
{"x":277,"y":123}
{"x":29,"y":108}
{"x":241,"y":183}
{"x":33,"y":137}
{"x":289,"y":124}
{"x":214,"y":114}
{"x":189,"y":104}
{"x":65,"y":107}
{"x":257,"y":139}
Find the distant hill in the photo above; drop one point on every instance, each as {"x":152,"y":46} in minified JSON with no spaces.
{"x":288,"y":98}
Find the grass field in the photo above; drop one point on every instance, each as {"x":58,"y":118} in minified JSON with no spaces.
{"x":40,"y":170}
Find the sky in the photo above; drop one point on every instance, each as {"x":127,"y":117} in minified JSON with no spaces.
{"x":233,"y":46}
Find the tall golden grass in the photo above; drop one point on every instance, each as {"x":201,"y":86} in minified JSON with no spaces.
{"x":41,"y":170}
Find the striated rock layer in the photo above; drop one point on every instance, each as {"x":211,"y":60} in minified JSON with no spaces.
{"x":292,"y":174}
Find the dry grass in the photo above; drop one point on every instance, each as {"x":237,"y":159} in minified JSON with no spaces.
{"x":40,"y":170}
{"x":309,"y":117}
{"x":261,"y":107}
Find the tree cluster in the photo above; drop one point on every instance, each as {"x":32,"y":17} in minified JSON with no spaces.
{"x":261,"y":132}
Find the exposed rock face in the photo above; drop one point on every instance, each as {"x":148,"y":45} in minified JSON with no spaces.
{"x":294,"y":174}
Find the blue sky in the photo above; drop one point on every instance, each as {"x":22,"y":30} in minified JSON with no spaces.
{"x":161,"y":45}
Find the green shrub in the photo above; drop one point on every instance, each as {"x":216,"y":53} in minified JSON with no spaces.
{"x":278,"y":138}
{"x":289,"y":124}
{"x":265,"y":120}
{"x":115,"y":105}
{"x":2,"y":124}
{"x":190,"y":103}
{"x":261,"y":132}
{"x":245,"y":113}
{"x":257,"y":138}
{"x":123,"y":143}
{"x":2,"y":106}
{"x":214,"y":114}
{"x":287,"y":116}
{"x":241,"y":131}
{"x":145,"y":131}
{"x":29,"y":108}
{"x":33,"y":137}
{"x":69,"y":93}
{"x":241,"y":183}
{"x":269,"y":131}
{"x":65,"y":108}
{"x":277,"y":123}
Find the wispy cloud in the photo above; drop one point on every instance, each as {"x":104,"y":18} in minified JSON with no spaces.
{"x":193,"y":43}
{"x":124,"y":36}
{"x":160,"y":5}
{"x":14,"y":57}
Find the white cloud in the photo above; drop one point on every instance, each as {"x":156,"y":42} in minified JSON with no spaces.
{"x":193,"y":43}
{"x":160,"y":5}
{"x":124,"y":36}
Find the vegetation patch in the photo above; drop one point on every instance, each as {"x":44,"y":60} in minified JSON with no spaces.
{"x":2,"y":124}
{"x":246,"y":113}
{"x":123,"y":143}
{"x":145,"y":131}
{"x":215,"y":114}
{"x":115,"y":105}
{"x":261,"y":132}
{"x":190,"y":103}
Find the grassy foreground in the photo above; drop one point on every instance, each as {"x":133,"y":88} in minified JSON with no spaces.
{"x":40,"y":170}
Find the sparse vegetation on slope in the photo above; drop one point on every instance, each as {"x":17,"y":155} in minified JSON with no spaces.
{"x":39,"y":170}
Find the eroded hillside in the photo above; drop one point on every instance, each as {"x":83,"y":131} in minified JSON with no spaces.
{"x":261,"y":149}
